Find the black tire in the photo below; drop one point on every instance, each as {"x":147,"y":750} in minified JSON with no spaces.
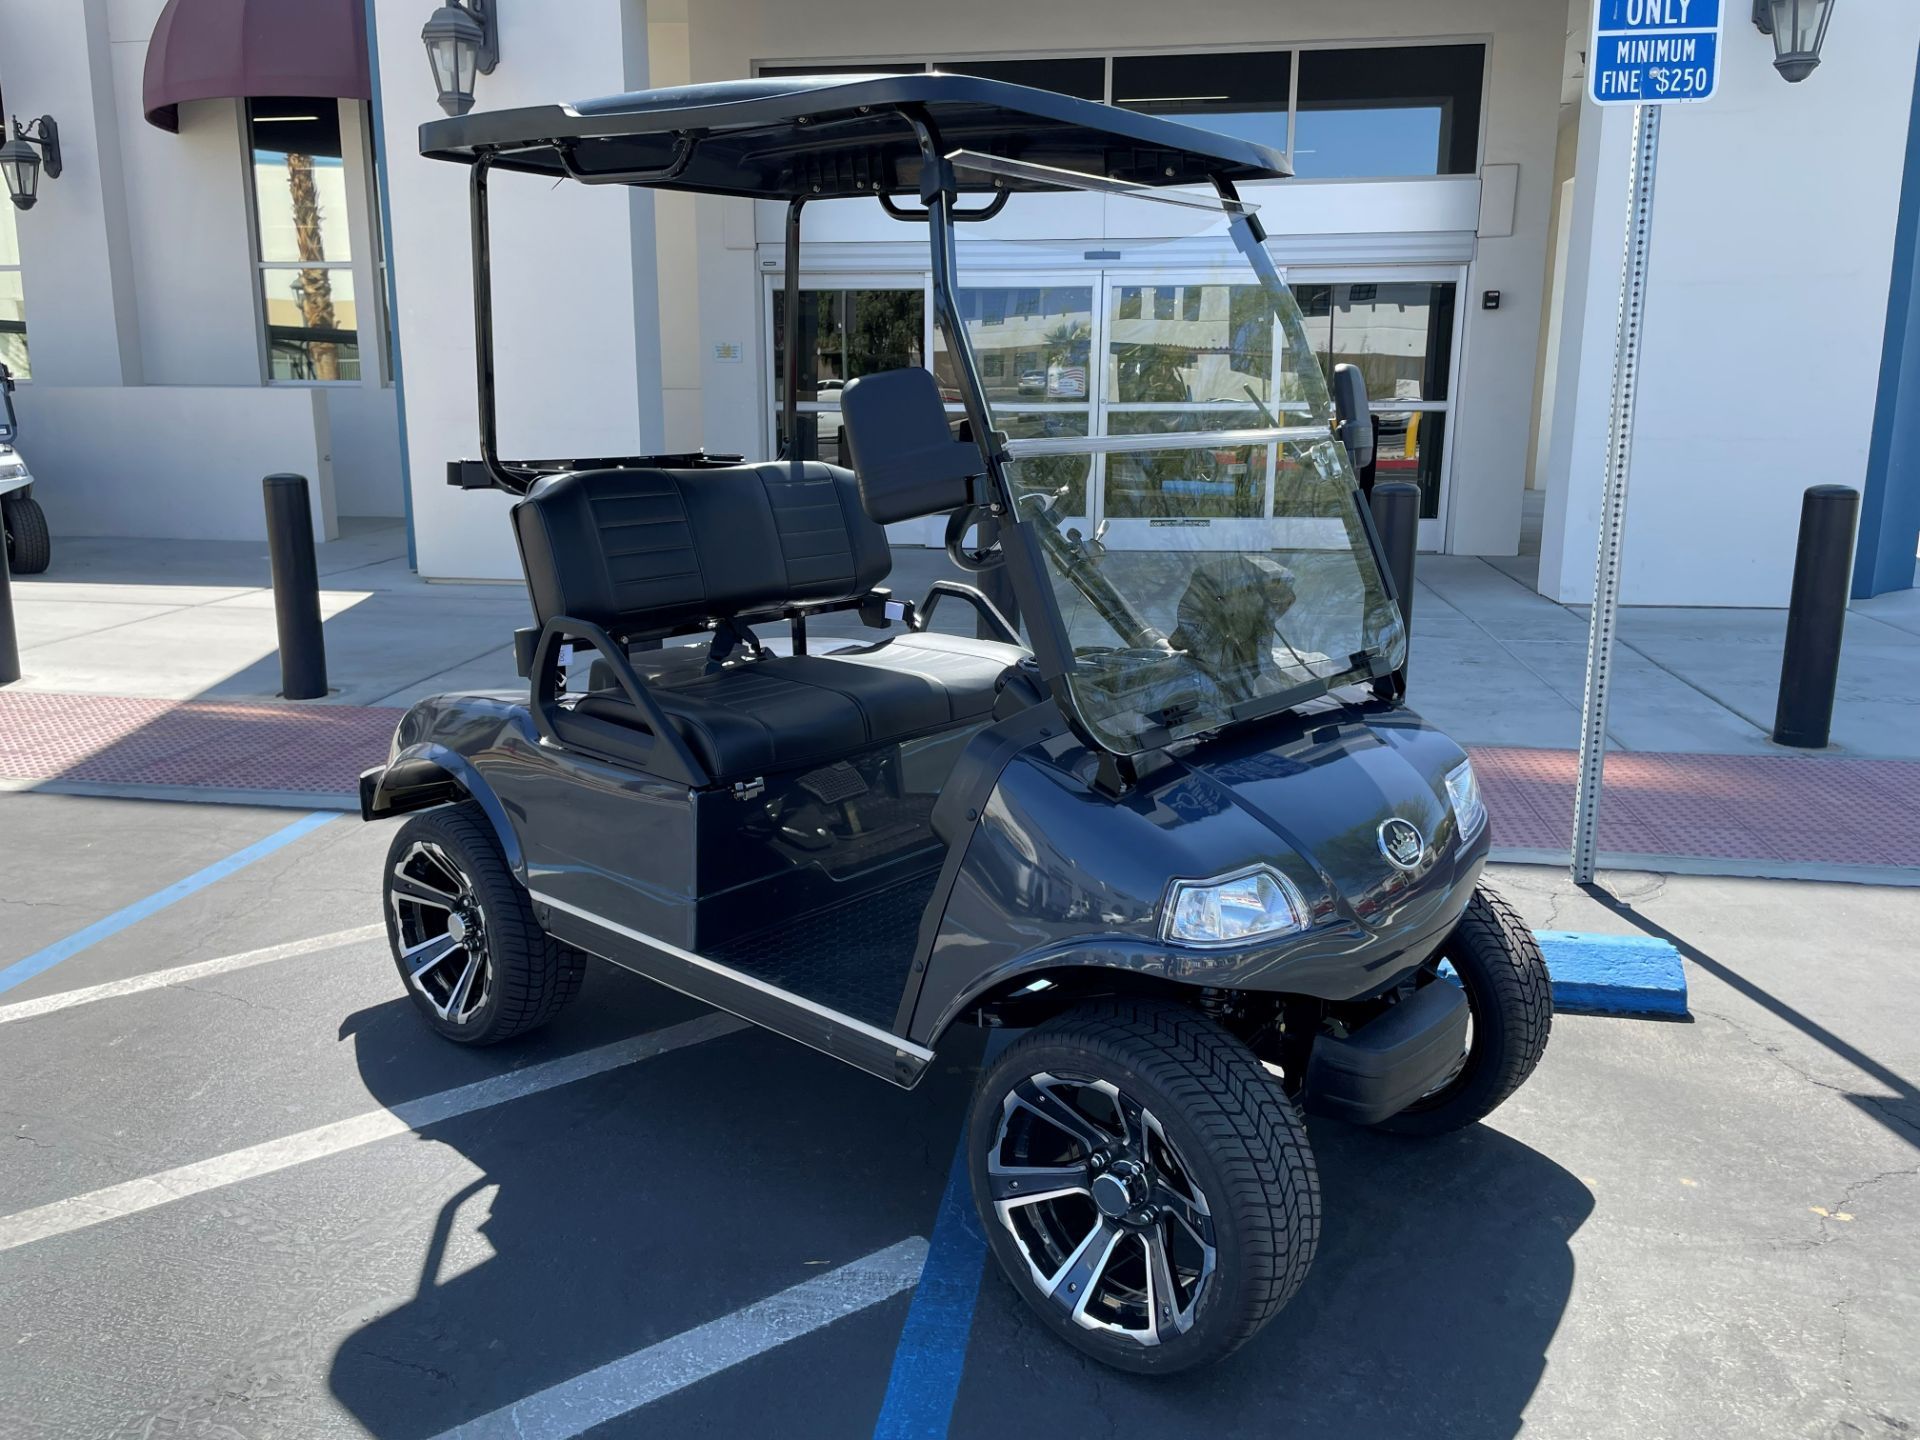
{"x":29,"y":545}
{"x":1511,"y":999}
{"x":1218,"y":1137}
{"x":528,"y":976}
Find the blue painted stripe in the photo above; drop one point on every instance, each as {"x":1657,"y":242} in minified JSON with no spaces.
{"x":933,"y":1343}
{"x":41,"y":961}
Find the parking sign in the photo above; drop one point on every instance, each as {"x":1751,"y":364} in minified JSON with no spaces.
{"x":1654,"y":52}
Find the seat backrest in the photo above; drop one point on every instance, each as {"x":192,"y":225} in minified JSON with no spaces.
{"x":640,"y":551}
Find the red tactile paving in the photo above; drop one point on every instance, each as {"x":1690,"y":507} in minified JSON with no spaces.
{"x":1811,"y":809}
{"x":114,"y":739}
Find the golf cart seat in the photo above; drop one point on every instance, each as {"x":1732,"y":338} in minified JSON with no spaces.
{"x":645,"y":553}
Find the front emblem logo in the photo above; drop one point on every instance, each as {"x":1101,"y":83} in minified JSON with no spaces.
{"x":1402,"y":843}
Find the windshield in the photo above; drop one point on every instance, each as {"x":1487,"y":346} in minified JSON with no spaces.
{"x":1170,"y":434}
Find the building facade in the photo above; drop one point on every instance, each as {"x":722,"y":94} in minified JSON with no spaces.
{"x":281,"y":283}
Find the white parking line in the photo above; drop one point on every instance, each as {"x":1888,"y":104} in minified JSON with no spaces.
{"x":181,"y":974}
{"x":149,"y":1192}
{"x":620,"y":1386}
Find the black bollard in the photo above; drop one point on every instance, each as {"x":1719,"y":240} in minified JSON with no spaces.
{"x":9,"y":637}
{"x":1396,"y":515}
{"x":296,"y":588}
{"x":1816,"y":617}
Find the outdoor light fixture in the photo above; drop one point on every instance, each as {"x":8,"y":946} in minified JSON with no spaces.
{"x":461,"y":39}
{"x":34,"y":144}
{"x":1798,"y":28}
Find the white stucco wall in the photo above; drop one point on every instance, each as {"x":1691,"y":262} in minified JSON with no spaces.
{"x":574,"y":308}
{"x":172,"y":462}
{"x":1771,"y":261}
{"x":1499,"y":349}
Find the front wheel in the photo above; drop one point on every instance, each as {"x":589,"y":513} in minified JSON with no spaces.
{"x":474,"y":959}
{"x":1144,"y":1185}
{"x":29,"y":544}
{"x":1510,"y":998}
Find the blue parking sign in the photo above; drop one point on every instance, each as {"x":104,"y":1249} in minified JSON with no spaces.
{"x":1654,"y":52}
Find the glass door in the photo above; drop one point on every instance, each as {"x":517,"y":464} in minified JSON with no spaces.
{"x":1034,"y":338}
{"x":1186,"y":352}
{"x":1402,"y":331}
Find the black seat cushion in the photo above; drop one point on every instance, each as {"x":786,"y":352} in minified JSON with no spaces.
{"x":641,"y":552}
{"x":783,"y":711}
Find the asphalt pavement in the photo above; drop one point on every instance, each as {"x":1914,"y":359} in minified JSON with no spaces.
{"x":255,"y":1197}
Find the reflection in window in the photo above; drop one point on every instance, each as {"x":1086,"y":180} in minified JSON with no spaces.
{"x":1155,"y":355}
{"x":1400,"y":334}
{"x":846,"y":334}
{"x":1033,"y":343}
{"x":1051,"y":474}
{"x":1083,"y":77}
{"x":1213,"y":482}
{"x":1389,"y":111}
{"x":304,"y":249}
{"x":1242,"y":94}
{"x":1408,"y":446}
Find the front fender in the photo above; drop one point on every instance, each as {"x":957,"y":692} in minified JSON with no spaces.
{"x":427,"y":774}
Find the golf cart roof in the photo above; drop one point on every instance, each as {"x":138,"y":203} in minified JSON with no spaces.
{"x":828,"y":136}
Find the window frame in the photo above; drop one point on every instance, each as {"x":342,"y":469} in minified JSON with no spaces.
{"x":366,"y":266}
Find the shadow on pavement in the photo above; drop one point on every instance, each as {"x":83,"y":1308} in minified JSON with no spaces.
{"x":1444,"y":1270}
{"x":1900,"y":1114}
{"x":620,"y":1211}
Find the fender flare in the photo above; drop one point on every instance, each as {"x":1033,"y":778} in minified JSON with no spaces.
{"x":426,"y":775}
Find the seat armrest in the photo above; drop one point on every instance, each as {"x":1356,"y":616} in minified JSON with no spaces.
{"x":988,"y":611}
{"x":669,"y":757}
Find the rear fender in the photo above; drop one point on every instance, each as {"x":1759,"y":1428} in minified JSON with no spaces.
{"x":425,"y":775}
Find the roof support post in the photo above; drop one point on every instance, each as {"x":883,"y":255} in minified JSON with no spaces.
{"x":790,"y":313}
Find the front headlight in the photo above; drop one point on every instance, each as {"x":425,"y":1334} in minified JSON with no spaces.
{"x":1258,"y":904}
{"x":1469,"y":810}
{"x":9,"y":469}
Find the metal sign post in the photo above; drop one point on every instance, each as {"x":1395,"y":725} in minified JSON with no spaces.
{"x":1644,"y":53}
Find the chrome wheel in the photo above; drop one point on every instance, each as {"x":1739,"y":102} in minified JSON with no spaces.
{"x":1109,"y":1219}
{"x":442,"y":932}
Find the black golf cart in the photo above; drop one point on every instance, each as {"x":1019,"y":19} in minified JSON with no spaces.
{"x":1182,"y":832}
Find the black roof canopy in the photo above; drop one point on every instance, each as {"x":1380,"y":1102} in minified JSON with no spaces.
{"x":827,"y":136}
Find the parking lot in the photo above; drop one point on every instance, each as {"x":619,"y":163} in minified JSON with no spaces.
{"x":256,"y":1198}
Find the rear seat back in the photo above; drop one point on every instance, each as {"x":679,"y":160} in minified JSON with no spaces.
{"x":640,"y":552}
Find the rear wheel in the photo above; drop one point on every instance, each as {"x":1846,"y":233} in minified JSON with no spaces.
{"x":29,"y":545}
{"x":1143,"y":1184}
{"x":475,"y":961}
{"x":1510,"y":997}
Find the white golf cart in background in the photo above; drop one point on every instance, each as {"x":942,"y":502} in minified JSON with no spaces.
{"x":29,"y":546}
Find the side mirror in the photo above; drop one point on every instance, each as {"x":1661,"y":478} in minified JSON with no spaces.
{"x":902,"y":448}
{"x":1353,"y":419}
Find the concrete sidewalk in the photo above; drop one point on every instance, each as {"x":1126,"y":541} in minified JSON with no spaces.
{"x":1493,"y":662}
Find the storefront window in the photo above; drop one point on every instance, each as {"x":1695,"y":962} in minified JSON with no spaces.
{"x":1083,"y":77}
{"x":305,"y":250}
{"x":1033,"y":343}
{"x":1400,"y":334}
{"x":13,"y":311}
{"x":844,"y":334}
{"x":1241,"y":93}
{"x":1388,"y":110}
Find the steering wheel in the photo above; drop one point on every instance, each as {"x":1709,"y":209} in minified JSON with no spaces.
{"x":972,"y":558}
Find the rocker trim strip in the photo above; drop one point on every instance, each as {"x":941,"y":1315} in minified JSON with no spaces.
{"x":838,"y":1018}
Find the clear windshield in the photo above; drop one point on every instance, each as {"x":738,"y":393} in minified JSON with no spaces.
{"x":1170,"y":432}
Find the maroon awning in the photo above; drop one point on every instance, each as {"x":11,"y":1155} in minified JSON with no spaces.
{"x":248,"y":49}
